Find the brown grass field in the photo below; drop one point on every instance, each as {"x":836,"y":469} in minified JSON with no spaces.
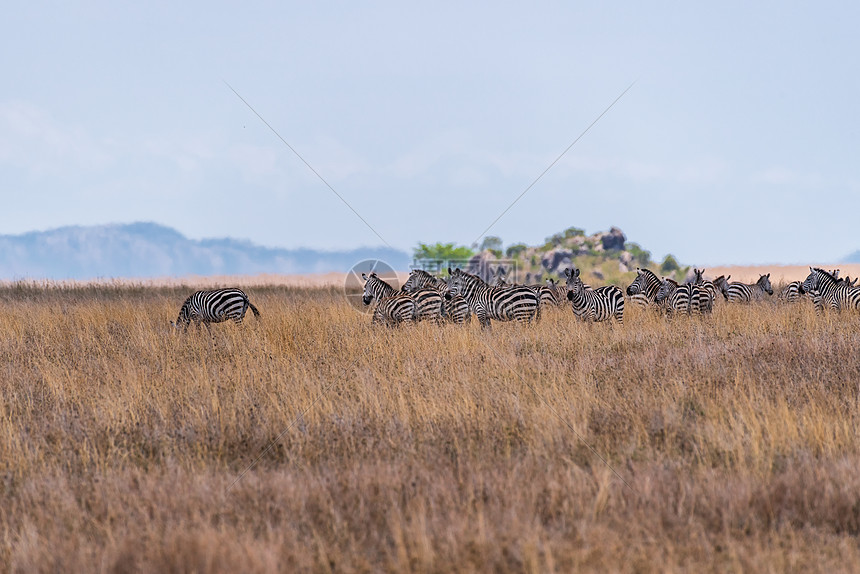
{"x":308,"y":441}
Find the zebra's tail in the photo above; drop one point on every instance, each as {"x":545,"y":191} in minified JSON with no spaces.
{"x":537,"y":309}
{"x":254,"y":309}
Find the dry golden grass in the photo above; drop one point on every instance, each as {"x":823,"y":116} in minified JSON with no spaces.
{"x":424,"y":448}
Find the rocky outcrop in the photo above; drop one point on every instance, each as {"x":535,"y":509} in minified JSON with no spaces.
{"x":557,"y":259}
{"x":613,"y":240}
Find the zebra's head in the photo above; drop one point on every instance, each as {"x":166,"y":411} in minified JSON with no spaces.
{"x":412,"y":283}
{"x":369,"y":284}
{"x":764,"y":282}
{"x":573,"y":283}
{"x":700,"y":276}
{"x":638,"y":285}
{"x":455,"y":283}
{"x":666,"y":289}
{"x":722,"y":283}
{"x":810,"y":284}
{"x":500,"y":277}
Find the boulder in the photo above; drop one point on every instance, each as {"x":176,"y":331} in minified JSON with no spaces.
{"x":556,"y":259}
{"x":614,"y":240}
{"x":483,"y":265}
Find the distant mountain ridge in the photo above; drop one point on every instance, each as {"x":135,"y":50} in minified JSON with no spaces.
{"x":853,"y":258}
{"x":142,"y":250}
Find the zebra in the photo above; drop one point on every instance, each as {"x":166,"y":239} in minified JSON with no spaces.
{"x":428,"y":301}
{"x":700,"y":281}
{"x":391,"y":311}
{"x":828,"y":291}
{"x":548,"y":294}
{"x":685,"y":299}
{"x":722,"y":284}
{"x":594,"y":304}
{"x":214,"y":307}
{"x":745,"y":293}
{"x":791,"y":292}
{"x":455,"y":310}
{"x":500,"y":303}
{"x":552,"y":293}
{"x":644,"y":288}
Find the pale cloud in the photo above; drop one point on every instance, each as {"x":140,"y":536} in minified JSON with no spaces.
{"x":33,"y":140}
{"x":783,"y":176}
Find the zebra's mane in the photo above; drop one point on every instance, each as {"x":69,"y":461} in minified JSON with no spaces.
{"x":470,"y":276}
{"x":825,"y":274}
{"x":385,"y":284}
{"x":648,"y":272}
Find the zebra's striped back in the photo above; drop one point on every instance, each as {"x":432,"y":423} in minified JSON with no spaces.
{"x":595,"y":305}
{"x":457,"y":310}
{"x":551,"y":294}
{"x":214,"y":306}
{"x":514,"y":303}
{"x":791,"y":292}
{"x":428,"y":304}
{"x":392,"y":311}
{"x":684,"y":299}
{"x":643,"y":290}
{"x":745,"y":293}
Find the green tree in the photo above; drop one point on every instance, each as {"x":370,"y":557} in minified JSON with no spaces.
{"x":669,"y":265}
{"x":514,"y":251}
{"x":640,"y":256}
{"x":444,"y":251}
{"x":492,"y":243}
{"x":573,"y":232}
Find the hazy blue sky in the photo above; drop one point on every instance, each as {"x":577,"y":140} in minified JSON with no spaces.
{"x":737,"y":144}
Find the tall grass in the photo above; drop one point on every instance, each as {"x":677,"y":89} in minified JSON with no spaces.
{"x":724,"y":443}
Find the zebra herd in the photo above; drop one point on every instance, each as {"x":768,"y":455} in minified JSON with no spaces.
{"x":461,"y":295}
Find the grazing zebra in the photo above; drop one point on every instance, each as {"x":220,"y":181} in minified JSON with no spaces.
{"x":214,"y":307}
{"x":516,"y":302}
{"x":455,"y":310}
{"x":745,"y":293}
{"x":684,"y":299}
{"x":644,"y":288}
{"x":830,"y":292}
{"x":791,"y":292}
{"x":594,"y":304}
{"x":428,"y":301}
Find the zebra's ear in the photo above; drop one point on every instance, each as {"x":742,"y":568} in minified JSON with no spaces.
{"x":567,"y":272}
{"x":364,"y":276}
{"x":576,"y":273}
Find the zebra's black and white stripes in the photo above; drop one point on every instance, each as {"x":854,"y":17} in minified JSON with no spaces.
{"x":455,"y":309}
{"x":594,"y":304}
{"x":830,"y":292}
{"x":746,"y":293}
{"x":513,"y":303}
{"x":214,"y":306}
{"x":684,"y":299}
{"x":427,"y":301}
{"x":643,"y":290}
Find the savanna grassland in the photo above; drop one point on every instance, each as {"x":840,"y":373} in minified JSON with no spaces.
{"x":730,"y":443}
